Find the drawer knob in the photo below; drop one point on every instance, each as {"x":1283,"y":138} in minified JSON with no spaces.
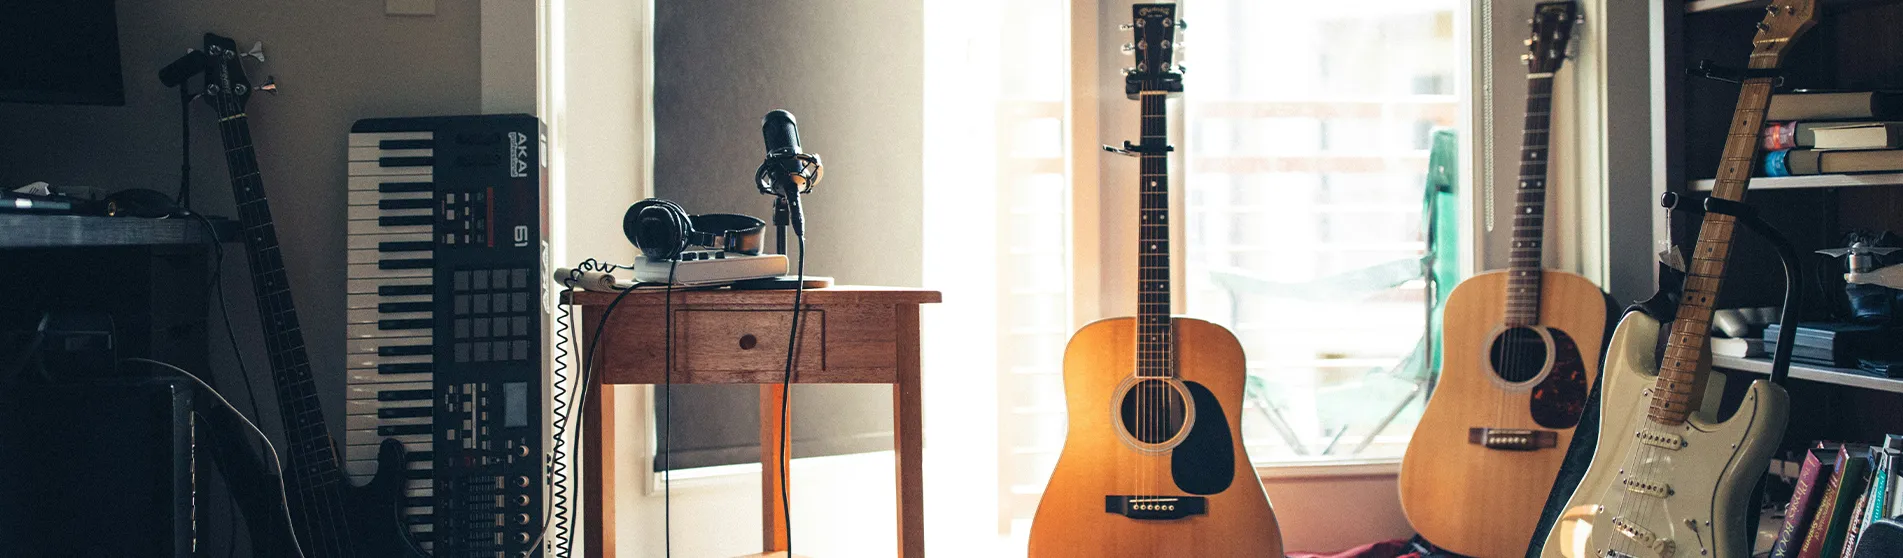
{"x":747,"y":342}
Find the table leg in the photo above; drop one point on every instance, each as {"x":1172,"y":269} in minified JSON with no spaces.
{"x":772,"y":461}
{"x":596,"y":453}
{"x":908,"y":427}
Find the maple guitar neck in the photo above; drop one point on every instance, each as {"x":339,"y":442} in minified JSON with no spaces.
{"x":1672,"y":400}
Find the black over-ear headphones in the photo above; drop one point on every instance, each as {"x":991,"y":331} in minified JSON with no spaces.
{"x":663,"y":230}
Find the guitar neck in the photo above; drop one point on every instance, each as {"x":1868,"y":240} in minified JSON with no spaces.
{"x":1154,"y":341}
{"x":1678,"y":368}
{"x":1529,"y":213}
{"x":312,"y":473}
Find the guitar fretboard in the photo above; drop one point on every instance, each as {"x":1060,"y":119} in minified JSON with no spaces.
{"x":1529,"y":210}
{"x":1154,"y":345}
{"x":312,"y":475}
{"x":1672,"y":397}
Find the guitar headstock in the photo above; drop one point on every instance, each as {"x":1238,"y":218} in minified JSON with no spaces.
{"x":1155,"y":50}
{"x":1784,"y":21}
{"x":1552,"y":32}
{"x":227,"y":89}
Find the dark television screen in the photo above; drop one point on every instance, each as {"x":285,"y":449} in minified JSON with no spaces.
{"x":60,"y":51}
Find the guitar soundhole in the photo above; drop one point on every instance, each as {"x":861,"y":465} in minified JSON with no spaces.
{"x":1519,"y":354}
{"x":1152,"y":411}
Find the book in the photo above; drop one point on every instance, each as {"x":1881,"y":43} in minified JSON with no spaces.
{"x":1853,"y":466}
{"x":1818,"y":463}
{"x":1854,"y":105}
{"x":1867,"y":135}
{"x":1803,"y":162}
{"x":1856,"y":525}
{"x":1795,"y":134}
{"x":1813,"y":546}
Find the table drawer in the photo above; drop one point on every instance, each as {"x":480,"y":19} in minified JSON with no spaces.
{"x":747,"y":340}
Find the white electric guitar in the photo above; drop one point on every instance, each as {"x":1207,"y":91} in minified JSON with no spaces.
{"x":1667,"y":479}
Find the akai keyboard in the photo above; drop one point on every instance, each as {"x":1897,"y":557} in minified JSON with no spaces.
{"x":447,"y":313}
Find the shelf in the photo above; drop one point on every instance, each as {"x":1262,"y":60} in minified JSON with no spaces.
{"x":1698,"y":6}
{"x":24,"y":230}
{"x":1813,"y":373}
{"x":1812,"y":181}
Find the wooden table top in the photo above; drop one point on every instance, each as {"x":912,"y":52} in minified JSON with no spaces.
{"x":838,"y":294}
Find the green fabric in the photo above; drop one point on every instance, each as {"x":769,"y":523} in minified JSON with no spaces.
{"x":1440,"y":219}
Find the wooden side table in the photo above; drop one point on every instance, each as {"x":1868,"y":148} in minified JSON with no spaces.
{"x":848,"y":335}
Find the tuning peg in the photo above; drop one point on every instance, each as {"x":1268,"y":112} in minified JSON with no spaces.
{"x":1181,"y":25}
{"x":1771,"y":10}
{"x":1526,"y":57}
{"x":1182,"y":69}
{"x":1528,"y":43}
{"x":1124,"y":151}
{"x":1129,"y":71}
{"x":256,"y":52}
{"x":1126,"y":27}
{"x":270,"y":85}
{"x":1762,"y":26}
{"x":1129,"y":47}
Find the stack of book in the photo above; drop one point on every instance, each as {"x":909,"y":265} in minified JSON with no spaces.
{"x":1840,"y":489}
{"x":1833,"y":133}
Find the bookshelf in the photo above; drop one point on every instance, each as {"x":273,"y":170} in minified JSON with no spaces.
{"x":1812,"y":373}
{"x":1855,"y":46}
{"x":1816,"y":181}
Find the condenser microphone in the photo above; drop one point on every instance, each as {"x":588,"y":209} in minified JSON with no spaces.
{"x":787,"y":171}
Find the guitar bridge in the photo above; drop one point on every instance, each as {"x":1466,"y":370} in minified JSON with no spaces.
{"x":1512,"y":439}
{"x":1156,"y":507}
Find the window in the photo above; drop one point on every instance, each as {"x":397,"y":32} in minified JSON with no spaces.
{"x":1306,"y":155}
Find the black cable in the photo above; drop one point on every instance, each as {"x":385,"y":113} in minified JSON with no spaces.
{"x":786,"y":393}
{"x":558,"y":476}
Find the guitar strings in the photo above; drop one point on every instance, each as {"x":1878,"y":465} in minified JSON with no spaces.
{"x":232,"y":126}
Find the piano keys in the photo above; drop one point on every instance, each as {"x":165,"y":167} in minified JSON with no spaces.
{"x":446,"y":322}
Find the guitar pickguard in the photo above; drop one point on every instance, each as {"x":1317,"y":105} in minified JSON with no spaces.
{"x":1560,"y":399}
{"x":1205,"y":463}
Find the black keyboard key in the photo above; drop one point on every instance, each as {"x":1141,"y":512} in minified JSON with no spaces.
{"x":406,"y":220}
{"x":405,"y":412}
{"x":418,"y":502}
{"x":416,"y":456}
{"x":414,"y":203}
{"x":406,"y":187}
{"x":414,"y":263}
{"x":405,"y":350}
{"x":404,"y":368}
{"x":407,"y":144}
{"x":420,"y":323}
{"x":403,"y":429}
{"x":395,"y":307}
{"x":418,"y":246}
{"x":405,"y":290}
{"x":406,"y":395}
{"x":406,"y":161}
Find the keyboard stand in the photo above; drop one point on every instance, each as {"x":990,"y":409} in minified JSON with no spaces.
{"x":849,"y":335}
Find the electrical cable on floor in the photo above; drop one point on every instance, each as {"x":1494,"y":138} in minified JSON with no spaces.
{"x":277,"y":462}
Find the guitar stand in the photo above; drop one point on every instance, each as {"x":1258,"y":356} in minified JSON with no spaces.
{"x":1793,"y":280}
{"x":1712,"y":71}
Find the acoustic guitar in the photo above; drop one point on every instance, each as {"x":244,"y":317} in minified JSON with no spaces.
{"x":330,"y":518}
{"x":1668,"y":479}
{"x":1153,"y":463}
{"x":1520,"y":353}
